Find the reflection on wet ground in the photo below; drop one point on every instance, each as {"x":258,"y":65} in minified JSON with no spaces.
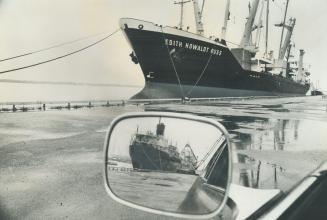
{"x":277,"y":141}
{"x":51,"y":162}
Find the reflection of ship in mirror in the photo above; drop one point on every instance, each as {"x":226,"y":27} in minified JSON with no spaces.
{"x":151,"y":151}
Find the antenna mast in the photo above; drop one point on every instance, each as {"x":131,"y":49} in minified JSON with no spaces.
{"x":181,"y":3}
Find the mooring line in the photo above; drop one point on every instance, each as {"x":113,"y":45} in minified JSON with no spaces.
{"x":63,"y":56}
{"x":172,"y":62}
{"x":200,"y":77}
{"x":51,"y":47}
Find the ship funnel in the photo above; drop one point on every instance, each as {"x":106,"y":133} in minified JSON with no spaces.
{"x":300,"y":73}
{"x":160,"y":129}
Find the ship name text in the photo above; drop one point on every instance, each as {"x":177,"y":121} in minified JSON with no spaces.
{"x":191,"y":46}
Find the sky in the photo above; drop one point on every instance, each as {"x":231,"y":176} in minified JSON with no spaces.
{"x":35,"y":24}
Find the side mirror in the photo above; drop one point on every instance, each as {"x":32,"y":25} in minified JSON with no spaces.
{"x":170,"y":164}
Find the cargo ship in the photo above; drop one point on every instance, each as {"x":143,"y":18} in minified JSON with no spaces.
{"x":179,"y":64}
{"x":151,"y":151}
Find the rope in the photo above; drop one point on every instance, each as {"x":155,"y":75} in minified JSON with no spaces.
{"x":60,"y":57}
{"x":209,"y":152}
{"x":52,"y":47}
{"x":172,"y":62}
{"x":203,"y":71}
{"x":211,"y":166}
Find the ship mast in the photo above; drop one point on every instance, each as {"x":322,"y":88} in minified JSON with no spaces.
{"x":226,"y":18}
{"x":287,"y":41}
{"x":198,"y":17}
{"x":281,"y":39}
{"x":258,"y":27}
{"x":181,"y":3}
{"x":245,"y":43}
{"x":267,"y":29}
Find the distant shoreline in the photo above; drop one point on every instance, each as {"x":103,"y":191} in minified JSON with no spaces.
{"x":68,"y":83}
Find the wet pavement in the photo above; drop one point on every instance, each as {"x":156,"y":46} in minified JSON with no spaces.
{"x":51,"y":162}
{"x":276,"y":142}
{"x":170,"y":188}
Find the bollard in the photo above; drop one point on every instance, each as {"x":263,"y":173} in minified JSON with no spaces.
{"x":68,"y":105}
{"x":14,"y":108}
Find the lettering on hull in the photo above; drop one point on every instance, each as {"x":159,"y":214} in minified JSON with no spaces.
{"x":191,"y":46}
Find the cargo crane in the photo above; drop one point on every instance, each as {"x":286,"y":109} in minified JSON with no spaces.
{"x":189,"y":160}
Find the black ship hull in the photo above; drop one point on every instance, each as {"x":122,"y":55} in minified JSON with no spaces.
{"x":153,"y":90}
{"x":146,"y":157}
{"x":177,"y":63}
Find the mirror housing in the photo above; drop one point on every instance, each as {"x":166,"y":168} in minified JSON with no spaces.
{"x":143,"y":170}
